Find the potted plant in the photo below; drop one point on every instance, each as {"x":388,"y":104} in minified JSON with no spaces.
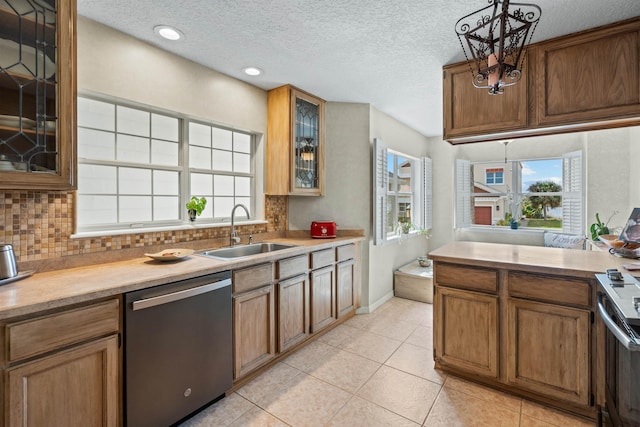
{"x":195,"y":206}
{"x":600,"y":228}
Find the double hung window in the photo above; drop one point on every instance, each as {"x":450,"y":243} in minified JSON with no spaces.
{"x":403,"y":193}
{"x":137,"y":167}
{"x":538,"y":193}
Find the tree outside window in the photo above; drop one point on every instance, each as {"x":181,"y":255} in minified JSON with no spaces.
{"x":529,"y":192}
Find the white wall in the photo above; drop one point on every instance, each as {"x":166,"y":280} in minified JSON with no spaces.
{"x":347,"y":197}
{"x":117,"y":64}
{"x":351,"y":129}
{"x":609,"y":166}
{"x":612,"y":178}
{"x":384,"y":259}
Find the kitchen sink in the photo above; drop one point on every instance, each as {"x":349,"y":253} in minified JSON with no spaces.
{"x":245,"y":250}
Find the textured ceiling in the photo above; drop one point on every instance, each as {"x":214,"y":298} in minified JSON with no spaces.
{"x":388,"y":53}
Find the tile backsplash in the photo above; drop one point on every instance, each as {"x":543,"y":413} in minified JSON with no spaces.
{"x":39,"y":224}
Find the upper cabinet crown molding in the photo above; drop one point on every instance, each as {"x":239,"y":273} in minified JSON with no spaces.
{"x":583,"y":81}
{"x":43,"y":99}
{"x":295,"y":142}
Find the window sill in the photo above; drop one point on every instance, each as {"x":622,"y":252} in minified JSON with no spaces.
{"x":489,"y":229}
{"x":399,"y":238}
{"x":142,"y":230}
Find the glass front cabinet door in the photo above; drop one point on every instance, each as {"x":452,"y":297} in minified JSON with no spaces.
{"x":295,"y":143}
{"x":37,"y":94}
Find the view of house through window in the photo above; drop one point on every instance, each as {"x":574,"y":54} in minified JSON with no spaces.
{"x":403,"y":197}
{"x":400,"y":193}
{"x":529,"y":192}
{"x":138,"y":167}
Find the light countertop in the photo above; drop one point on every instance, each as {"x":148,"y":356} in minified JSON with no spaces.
{"x":570,"y":262}
{"x":59,"y":288}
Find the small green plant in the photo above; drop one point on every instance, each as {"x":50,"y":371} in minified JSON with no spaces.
{"x":196,"y":204}
{"x":600,"y":228}
{"x":408,"y":227}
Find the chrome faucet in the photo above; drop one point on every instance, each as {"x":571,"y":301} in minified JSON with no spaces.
{"x":233,"y":237}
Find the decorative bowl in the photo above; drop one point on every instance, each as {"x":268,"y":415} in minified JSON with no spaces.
{"x":424,"y":261}
{"x":620,"y":247}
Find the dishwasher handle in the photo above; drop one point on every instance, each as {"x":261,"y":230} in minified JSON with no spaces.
{"x":177,"y":296}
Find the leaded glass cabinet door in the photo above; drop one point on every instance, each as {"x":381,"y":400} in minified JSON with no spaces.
{"x":307,"y":155}
{"x":37,"y":94}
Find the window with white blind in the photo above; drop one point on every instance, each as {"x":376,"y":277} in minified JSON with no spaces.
{"x":403,"y":193}
{"x":137,"y":167}
{"x":537,"y":193}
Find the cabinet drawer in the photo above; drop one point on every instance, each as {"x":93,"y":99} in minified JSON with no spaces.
{"x":252,"y":277}
{"x":36,"y":336}
{"x":557,"y":290}
{"x":292,"y":266}
{"x":345,"y":252}
{"x":322,"y":258}
{"x":457,"y":276}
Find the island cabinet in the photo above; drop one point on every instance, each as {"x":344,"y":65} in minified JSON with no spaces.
{"x":293,"y":301}
{"x":548,"y":335}
{"x":62,"y":368}
{"x":520,"y":319}
{"x":254,"y":333}
{"x":323,"y":291}
{"x":466,"y":319}
{"x":295,"y":143}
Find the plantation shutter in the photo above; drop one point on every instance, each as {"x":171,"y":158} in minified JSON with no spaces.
{"x":426,"y":193}
{"x":463,"y":193}
{"x":381,"y":179}
{"x":572,"y":212}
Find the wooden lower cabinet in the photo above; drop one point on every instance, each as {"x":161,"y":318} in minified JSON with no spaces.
{"x":75,"y":387}
{"x":466,"y":331}
{"x":345,"y":277}
{"x":254,"y":329}
{"x":548,"y":350}
{"x":293,"y":311}
{"x":323,"y":309}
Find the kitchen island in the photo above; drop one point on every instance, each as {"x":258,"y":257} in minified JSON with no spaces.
{"x":522,"y":319}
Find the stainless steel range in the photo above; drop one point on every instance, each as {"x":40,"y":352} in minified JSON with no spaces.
{"x":618,"y":303}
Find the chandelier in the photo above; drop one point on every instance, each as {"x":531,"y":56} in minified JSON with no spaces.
{"x":493,"y":38}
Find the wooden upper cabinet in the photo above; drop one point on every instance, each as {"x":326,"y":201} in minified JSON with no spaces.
{"x":38,"y":96}
{"x":469,"y":111}
{"x":589,"y":77}
{"x":295,"y":143}
{"x":583,"y":81}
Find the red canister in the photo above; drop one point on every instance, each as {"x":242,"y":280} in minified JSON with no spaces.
{"x":323,"y":229}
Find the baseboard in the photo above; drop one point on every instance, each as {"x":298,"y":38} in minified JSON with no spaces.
{"x":373,"y":307}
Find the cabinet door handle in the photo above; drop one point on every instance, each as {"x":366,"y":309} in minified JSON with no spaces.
{"x":177,"y":296}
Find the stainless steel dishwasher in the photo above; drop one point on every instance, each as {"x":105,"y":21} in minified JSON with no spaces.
{"x":178,"y":349}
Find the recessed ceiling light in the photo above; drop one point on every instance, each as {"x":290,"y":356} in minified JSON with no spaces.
{"x":168,"y":32}
{"x":252,"y":71}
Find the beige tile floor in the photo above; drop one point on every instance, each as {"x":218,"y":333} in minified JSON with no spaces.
{"x":373,"y":370}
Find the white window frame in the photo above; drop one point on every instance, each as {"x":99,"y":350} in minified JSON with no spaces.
{"x":422,"y":193}
{"x":573,"y":221}
{"x":183,"y":168}
{"x":493,"y":174}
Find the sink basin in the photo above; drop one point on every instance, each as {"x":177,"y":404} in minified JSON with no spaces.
{"x":245,"y":250}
